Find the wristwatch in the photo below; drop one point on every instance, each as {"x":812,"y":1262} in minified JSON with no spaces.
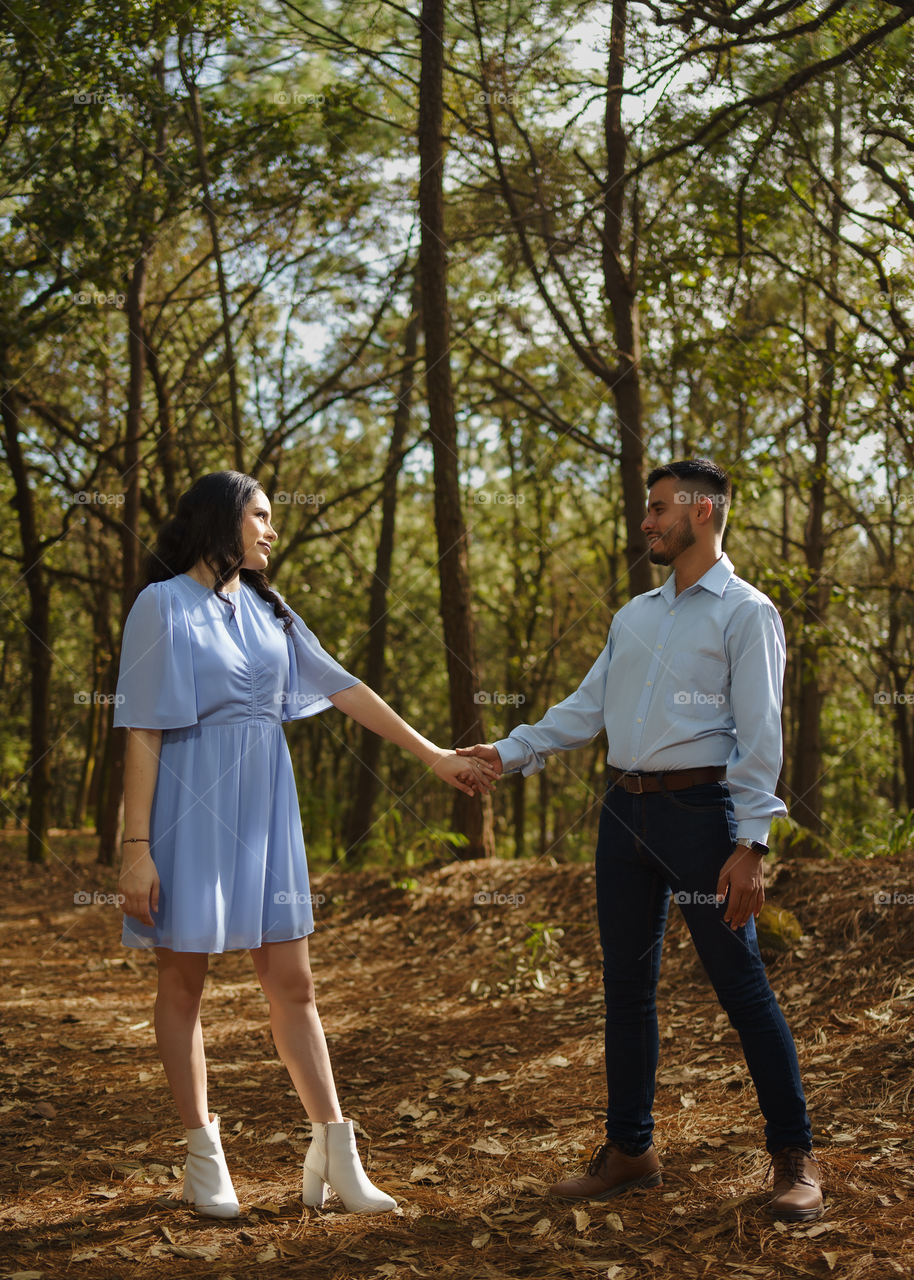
{"x":755,"y":845}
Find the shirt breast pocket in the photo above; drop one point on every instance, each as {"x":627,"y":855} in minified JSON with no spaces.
{"x":697,"y":686}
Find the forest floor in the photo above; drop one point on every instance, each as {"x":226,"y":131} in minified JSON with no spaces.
{"x":467,"y":1043}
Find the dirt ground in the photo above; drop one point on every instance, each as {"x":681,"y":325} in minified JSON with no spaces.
{"x":467,"y":1042}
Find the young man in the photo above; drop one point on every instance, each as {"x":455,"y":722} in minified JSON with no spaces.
{"x":689,"y":691}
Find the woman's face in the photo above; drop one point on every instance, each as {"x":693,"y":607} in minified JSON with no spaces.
{"x":257,"y":534}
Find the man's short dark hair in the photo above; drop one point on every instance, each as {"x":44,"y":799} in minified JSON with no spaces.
{"x":701,"y":476}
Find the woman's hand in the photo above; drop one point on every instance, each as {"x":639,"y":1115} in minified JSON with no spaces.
{"x":470,"y":776}
{"x":139,"y":886}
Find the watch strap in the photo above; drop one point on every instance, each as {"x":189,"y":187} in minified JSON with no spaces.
{"x":755,"y":845}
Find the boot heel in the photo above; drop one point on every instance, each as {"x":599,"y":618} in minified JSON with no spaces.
{"x":313,"y":1189}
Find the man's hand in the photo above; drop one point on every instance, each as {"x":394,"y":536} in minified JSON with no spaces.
{"x":479,"y":778}
{"x":486,"y":753}
{"x":744,"y":875}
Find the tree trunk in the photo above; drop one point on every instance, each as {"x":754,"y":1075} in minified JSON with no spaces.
{"x":807,"y":768}
{"x":359,"y":818}
{"x":517,"y":712}
{"x":165,"y":442}
{"x":897,"y":680}
{"x":39,"y":627}
{"x":91,"y":752}
{"x":906,"y":746}
{"x":543,"y":780}
{"x":112,"y":815}
{"x":467,"y":725}
{"x":196,"y":118}
{"x":95,"y":797}
{"x":519,"y":815}
{"x":620,"y":285}
{"x":807,"y":771}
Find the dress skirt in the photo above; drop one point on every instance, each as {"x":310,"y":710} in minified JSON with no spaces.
{"x":219,"y":678}
{"x":227,"y":841}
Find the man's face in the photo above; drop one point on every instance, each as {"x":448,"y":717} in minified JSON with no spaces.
{"x":668,"y":523}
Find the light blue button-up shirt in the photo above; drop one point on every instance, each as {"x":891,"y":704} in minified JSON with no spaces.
{"x":684,"y":682}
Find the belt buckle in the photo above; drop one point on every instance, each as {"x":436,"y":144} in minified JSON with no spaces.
{"x":635,"y":790}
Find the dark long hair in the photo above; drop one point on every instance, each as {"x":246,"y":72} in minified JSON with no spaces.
{"x":208,"y":526}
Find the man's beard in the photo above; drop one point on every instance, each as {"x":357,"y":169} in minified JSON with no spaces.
{"x":678,"y":538}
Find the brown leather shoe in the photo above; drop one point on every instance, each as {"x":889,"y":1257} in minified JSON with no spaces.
{"x":797,"y":1194}
{"x":610,"y":1172}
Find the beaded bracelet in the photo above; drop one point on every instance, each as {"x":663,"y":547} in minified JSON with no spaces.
{"x":136,"y":840}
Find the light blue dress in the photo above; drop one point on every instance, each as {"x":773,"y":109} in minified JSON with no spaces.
{"x":225,"y":827}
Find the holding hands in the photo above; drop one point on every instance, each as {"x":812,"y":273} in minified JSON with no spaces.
{"x":476,"y":777}
{"x":485,"y":760}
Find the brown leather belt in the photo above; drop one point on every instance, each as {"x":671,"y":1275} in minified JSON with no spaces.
{"x":675,"y":780}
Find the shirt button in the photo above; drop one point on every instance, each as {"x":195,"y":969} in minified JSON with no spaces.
{"x":633,"y":759}
{"x":639,"y":719}
{"x":672,"y":613}
{"x":648,"y":684}
{"x":660,"y":646}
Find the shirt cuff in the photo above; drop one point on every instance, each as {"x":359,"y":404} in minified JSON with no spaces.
{"x":513,"y":754}
{"x":753,"y":829}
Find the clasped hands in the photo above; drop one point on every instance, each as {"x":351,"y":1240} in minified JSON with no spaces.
{"x":473,"y":770}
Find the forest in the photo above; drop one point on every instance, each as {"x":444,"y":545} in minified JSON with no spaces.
{"x":448,"y":283}
{"x":449,"y":280}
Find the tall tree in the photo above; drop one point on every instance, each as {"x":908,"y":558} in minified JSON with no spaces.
{"x":467,"y":724}
{"x":149,"y":214}
{"x":621,"y":203}
{"x":360,"y":817}
{"x":34,"y":549}
{"x":196,"y":119}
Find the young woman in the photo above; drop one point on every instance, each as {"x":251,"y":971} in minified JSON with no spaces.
{"x":212,"y":662}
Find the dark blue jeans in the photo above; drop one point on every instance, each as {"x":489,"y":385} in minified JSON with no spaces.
{"x":649,"y":846}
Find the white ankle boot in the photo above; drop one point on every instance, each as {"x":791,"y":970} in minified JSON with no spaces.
{"x":333,"y":1164}
{"x":207,"y":1184}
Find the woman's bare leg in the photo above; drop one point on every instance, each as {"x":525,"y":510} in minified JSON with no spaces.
{"x":284,"y":971}
{"x":179,"y":1035}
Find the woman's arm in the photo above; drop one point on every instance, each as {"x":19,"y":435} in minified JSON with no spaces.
{"x":364,"y":705}
{"x":139,"y":880}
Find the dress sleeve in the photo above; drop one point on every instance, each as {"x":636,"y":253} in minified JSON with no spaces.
{"x":155,"y":687}
{"x":313,"y":674}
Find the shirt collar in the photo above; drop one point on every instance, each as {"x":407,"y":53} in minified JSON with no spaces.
{"x":715,"y":580}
